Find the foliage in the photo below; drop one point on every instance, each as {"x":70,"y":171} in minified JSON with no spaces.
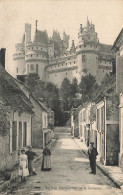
{"x":31,"y":81}
{"x":87,"y":85}
{"x":4,"y":123}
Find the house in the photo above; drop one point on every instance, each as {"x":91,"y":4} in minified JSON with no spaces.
{"x":15,"y":120}
{"x":107,"y":131}
{"x":41,"y":134}
{"x":74,"y":122}
{"x":84,"y":123}
{"x":118,"y":48}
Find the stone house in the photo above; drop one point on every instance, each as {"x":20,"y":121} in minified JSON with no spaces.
{"x":84,"y":123}
{"x":118,"y":48}
{"x":74,"y":122}
{"x":41,"y":134}
{"x":107,"y":131}
{"x":15,"y":120}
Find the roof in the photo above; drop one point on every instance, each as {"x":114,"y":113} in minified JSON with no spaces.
{"x":105,"y":48}
{"x":41,"y":36}
{"x":11,"y":95}
{"x":117,"y":39}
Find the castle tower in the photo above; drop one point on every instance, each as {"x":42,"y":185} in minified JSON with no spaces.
{"x":19,"y":58}
{"x":36,"y":57}
{"x":87,"y":50}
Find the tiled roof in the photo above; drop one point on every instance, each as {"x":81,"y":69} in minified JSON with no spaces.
{"x":11,"y":95}
{"x":105,"y":48}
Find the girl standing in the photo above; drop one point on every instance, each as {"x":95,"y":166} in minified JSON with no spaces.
{"x":23,"y":165}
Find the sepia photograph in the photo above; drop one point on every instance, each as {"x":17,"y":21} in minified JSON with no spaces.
{"x":61,"y":97}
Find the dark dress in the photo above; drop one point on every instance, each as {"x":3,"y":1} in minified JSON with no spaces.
{"x":46,"y":162}
{"x":92,"y":152}
{"x":31,"y":156}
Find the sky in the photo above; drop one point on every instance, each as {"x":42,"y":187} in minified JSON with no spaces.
{"x":106,"y":15}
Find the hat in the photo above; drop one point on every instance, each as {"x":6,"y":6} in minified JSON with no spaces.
{"x":92,"y":143}
{"x":29,"y":146}
{"x":22,"y":149}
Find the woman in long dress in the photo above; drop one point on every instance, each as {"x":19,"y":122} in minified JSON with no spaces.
{"x":46,"y":163}
{"x":23,"y":165}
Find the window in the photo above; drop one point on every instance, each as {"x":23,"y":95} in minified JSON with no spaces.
{"x":27,"y":68}
{"x":70,"y":62}
{"x":66,"y":73}
{"x":37,"y":55}
{"x":41,"y":48}
{"x":76,"y":71}
{"x":66,"y":64}
{"x":74,"y":62}
{"x":31,"y":67}
{"x":80,"y":46}
{"x":83,"y":58}
{"x":14,"y":135}
{"x":20,"y":135}
{"x":62,"y":64}
{"x":37,"y":68}
{"x":24,"y":133}
{"x":17,"y":70}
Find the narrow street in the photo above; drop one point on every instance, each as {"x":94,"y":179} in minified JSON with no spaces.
{"x":69,"y":174}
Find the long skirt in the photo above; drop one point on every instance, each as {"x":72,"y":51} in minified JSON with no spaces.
{"x":46,"y":163}
{"x":23,"y":171}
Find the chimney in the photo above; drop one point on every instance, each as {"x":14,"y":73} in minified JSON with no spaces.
{"x":2,"y":56}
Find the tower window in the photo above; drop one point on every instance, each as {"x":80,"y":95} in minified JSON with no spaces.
{"x":17,"y":70}
{"x":37,"y":68}
{"x":31,"y":67}
{"x":83,"y":58}
{"x":70,"y":62}
{"x":27,"y":68}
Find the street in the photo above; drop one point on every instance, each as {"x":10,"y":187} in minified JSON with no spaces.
{"x":69,"y":174}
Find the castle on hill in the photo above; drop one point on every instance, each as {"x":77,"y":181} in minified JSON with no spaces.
{"x":52,"y":60}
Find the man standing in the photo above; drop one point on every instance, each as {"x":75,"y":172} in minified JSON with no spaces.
{"x":92,"y":152}
{"x":31,"y":156}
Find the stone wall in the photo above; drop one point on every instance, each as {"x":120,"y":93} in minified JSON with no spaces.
{"x":112,"y":144}
{"x":37,"y":134}
{"x":7,"y":160}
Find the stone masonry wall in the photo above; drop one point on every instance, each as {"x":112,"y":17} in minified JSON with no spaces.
{"x":112,"y":144}
{"x":7,"y":160}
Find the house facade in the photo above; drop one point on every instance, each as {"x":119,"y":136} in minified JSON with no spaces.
{"x":18,"y":111}
{"x":41,"y":134}
{"x":118,"y":48}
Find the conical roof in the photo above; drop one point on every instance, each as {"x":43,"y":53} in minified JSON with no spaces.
{"x":41,"y":36}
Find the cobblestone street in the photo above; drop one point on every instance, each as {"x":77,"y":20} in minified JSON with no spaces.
{"x":69,"y":174}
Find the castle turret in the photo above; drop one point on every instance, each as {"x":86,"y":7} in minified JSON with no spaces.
{"x":19,"y":57}
{"x":73,"y":49}
{"x":87,"y":50}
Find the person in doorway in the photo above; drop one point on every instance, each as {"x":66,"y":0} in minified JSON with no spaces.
{"x":46,"y":162}
{"x":92,"y":153}
{"x":31,"y":155}
{"x":23,"y":165}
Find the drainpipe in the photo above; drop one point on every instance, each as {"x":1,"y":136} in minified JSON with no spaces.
{"x":105,"y":129}
{"x":31,"y":126}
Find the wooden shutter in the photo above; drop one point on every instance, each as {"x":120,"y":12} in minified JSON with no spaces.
{"x":14,"y":135}
{"x":24,"y":133}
